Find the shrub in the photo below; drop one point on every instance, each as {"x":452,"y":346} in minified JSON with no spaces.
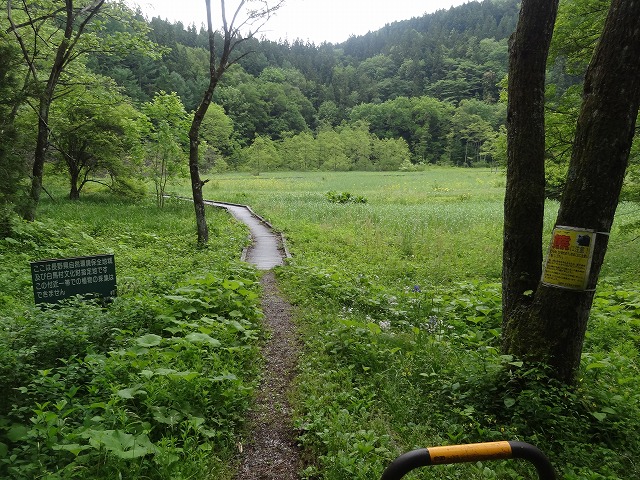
{"x":344,"y":197}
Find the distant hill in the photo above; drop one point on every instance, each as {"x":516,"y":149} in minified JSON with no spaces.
{"x":285,"y":88}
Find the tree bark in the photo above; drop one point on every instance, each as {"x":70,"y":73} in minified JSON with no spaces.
{"x":42,"y":141}
{"x":524,"y":199}
{"x":74,"y":191}
{"x":217,"y":67}
{"x":194,"y":136}
{"x":549,"y":326}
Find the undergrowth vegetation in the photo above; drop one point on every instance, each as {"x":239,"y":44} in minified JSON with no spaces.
{"x":400,"y":302}
{"x":391,"y":370}
{"x":153,"y":385}
{"x":400,"y":315}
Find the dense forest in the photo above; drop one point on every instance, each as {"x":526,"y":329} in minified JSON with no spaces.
{"x":418,"y":80}
{"x":428,"y":90}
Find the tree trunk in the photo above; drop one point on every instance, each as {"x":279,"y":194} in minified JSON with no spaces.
{"x":194,"y":142}
{"x":196,"y":191}
{"x":550,"y":324}
{"x":62,"y":58}
{"x":74,"y":192}
{"x":524,"y":200}
{"x":194,"y":132}
{"x":42,"y":143}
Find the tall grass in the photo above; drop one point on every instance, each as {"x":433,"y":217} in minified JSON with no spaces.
{"x":433,"y":227}
{"x":400,"y":302}
{"x":400,"y":316}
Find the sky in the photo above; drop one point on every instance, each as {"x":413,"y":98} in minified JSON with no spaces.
{"x":316,"y":21}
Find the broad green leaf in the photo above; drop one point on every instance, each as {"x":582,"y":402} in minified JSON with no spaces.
{"x":225,"y":376}
{"x":74,"y":448}
{"x":374,"y":328}
{"x":131,"y":392}
{"x":122,"y":444}
{"x":188,"y":376}
{"x":593,"y":365}
{"x":149,"y":340}
{"x":196,"y":337}
{"x":17,"y":433}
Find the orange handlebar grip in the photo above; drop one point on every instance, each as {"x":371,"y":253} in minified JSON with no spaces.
{"x":469,"y":453}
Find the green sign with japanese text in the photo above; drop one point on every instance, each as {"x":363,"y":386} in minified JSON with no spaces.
{"x":57,"y":279}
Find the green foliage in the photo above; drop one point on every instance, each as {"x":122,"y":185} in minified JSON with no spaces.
{"x":401,"y":317}
{"x":425,"y":365}
{"x":155,"y":384}
{"x":344,"y":197}
{"x":349,"y":147}
{"x":165,"y":151}
{"x":12,"y":169}
{"x":555,"y":179}
{"x":98,"y":133}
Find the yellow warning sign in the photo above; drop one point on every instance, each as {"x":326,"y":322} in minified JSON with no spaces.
{"x":569,"y":259}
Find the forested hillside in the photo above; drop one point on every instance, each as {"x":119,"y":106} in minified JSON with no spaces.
{"x":422,"y":91}
{"x":419,"y":80}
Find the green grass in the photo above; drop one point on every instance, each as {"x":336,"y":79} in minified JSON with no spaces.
{"x":432,"y":227}
{"x":154,"y":385}
{"x":399,"y":302}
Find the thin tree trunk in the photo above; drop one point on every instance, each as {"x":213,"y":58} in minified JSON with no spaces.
{"x":74,"y":192}
{"x":196,"y":191}
{"x":61,"y":59}
{"x":194,"y":132}
{"x":42,"y":143}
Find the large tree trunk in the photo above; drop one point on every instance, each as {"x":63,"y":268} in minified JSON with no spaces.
{"x":551,"y":325}
{"x":524,"y":200}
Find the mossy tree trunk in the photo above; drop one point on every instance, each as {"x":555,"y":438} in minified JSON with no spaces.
{"x":543,"y":323}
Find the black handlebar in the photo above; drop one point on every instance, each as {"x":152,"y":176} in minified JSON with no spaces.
{"x":469,"y":453}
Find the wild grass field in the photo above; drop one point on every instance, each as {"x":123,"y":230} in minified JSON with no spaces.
{"x":435,"y":226}
{"x":399,"y":311}
{"x":401,"y":318}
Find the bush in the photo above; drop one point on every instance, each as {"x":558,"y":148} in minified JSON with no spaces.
{"x":344,"y":197}
{"x":555,"y":179}
{"x":129,"y":188}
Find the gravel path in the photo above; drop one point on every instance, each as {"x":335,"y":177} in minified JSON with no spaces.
{"x":271,"y":452}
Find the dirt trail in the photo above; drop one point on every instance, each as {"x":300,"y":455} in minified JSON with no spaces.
{"x":270,"y":451}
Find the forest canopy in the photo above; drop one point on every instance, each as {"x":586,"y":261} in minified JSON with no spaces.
{"x":429,"y":90}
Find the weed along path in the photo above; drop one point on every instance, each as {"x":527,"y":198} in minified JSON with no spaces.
{"x":270,"y":451}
